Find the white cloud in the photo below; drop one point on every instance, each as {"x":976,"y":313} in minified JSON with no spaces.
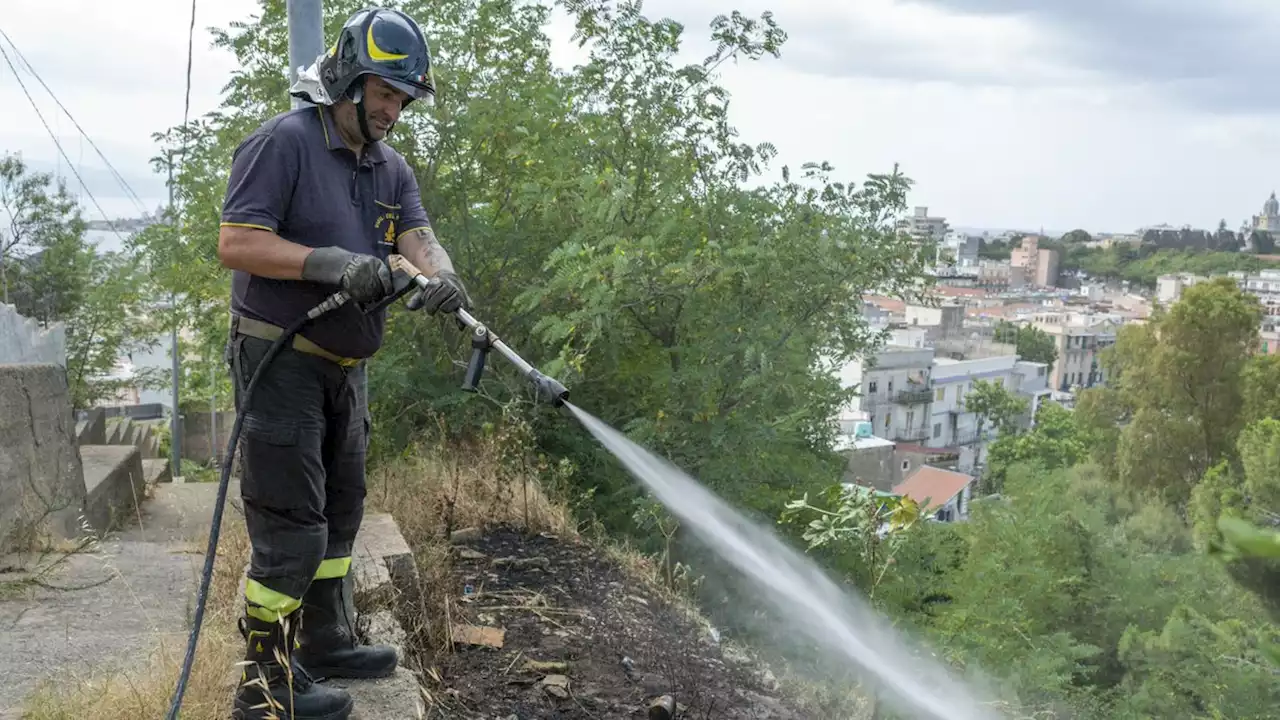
{"x":120,"y":69}
{"x":991,"y":115}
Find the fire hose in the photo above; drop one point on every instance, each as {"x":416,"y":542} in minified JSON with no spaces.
{"x":406,"y":278}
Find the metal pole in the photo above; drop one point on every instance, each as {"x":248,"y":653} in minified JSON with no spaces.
{"x":213,"y":416}
{"x":175,"y":433}
{"x":306,"y":37}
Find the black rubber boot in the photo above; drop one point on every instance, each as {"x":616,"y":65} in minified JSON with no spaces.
{"x":298,"y":697}
{"x":328,"y":646}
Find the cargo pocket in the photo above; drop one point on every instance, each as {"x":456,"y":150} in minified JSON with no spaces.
{"x":277,"y":467}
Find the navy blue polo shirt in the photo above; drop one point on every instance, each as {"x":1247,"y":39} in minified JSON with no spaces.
{"x":295,"y":177}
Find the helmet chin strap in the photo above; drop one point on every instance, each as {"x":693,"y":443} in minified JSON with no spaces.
{"x":357,"y":97}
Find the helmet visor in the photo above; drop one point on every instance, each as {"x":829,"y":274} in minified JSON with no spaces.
{"x":414,"y":90}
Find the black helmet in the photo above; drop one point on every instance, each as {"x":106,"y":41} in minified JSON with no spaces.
{"x":382,"y":42}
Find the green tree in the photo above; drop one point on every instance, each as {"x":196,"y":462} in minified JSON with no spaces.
{"x":993,"y":403}
{"x":695,"y":311}
{"x":1033,"y":344}
{"x":1176,"y":384}
{"x":1260,"y":387}
{"x":1055,"y":442}
{"x":1076,"y":237}
{"x":55,"y":275}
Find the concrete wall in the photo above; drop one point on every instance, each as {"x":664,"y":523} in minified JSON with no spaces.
{"x":196,"y":424}
{"x":41,"y":482}
{"x":876,"y":467}
{"x":22,"y":340}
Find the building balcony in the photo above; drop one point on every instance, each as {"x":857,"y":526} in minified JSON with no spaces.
{"x":912,"y":435}
{"x":971,"y":437}
{"x":913,"y":396}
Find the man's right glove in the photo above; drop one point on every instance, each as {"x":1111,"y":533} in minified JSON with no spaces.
{"x":447,"y":295}
{"x":364,"y":277}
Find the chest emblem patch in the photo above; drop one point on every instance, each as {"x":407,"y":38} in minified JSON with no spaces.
{"x":386,"y":223}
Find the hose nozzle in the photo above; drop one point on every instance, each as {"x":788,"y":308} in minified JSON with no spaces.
{"x":549,"y":389}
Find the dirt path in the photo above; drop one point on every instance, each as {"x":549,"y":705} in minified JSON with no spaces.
{"x":551,"y":628}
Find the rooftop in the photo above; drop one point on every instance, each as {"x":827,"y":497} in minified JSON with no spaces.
{"x":932,"y":487}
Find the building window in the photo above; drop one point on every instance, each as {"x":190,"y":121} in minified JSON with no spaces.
{"x":886,"y":421}
{"x":940,"y":394}
{"x":871,"y":387}
{"x":937,"y":430}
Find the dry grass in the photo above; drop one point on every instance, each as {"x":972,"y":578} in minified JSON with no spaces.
{"x":147,"y":690}
{"x":436,"y":489}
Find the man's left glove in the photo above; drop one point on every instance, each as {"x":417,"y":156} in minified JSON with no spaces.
{"x":364,"y":277}
{"x":447,"y":295}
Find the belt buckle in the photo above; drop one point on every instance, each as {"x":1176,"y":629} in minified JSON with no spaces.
{"x":348,"y":362}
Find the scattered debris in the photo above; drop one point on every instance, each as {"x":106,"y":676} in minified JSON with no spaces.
{"x":662,"y":708}
{"x":478,"y":635}
{"x":469,"y":554}
{"x":521,"y":563}
{"x":465,"y":535}
{"x":556,"y":685}
{"x":545,"y":666}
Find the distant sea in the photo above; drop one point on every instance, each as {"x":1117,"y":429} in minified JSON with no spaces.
{"x":106,"y":240}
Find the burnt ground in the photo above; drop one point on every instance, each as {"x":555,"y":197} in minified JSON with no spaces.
{"x":580,"y":639}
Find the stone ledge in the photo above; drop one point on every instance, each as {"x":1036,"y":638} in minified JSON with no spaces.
{"x":114,"y":485}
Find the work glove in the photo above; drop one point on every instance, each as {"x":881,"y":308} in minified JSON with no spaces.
{"x":447,"y":295}
{"x":364,"y":277}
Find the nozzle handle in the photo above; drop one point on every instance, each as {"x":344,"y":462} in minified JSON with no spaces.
{"x":547,"y":388}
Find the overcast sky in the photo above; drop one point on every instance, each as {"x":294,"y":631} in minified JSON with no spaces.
{"x":1102,"y":114}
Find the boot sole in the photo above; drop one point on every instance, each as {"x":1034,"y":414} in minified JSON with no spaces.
{"x":243,"y":712}
{"x":341,"y":673}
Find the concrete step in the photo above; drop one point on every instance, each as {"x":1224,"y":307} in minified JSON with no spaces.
{"x":181,"y":513}
{"x":92,"y":430}
{"x":114,"y":485}
{"x":156,"y":470}
{"x":85,"y":628}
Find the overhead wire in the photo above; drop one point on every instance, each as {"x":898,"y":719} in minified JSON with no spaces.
{"x":53,"y":136}
{"x":119,"y":178}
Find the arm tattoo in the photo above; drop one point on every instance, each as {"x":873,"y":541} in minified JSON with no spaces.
{"x":432,"y":254}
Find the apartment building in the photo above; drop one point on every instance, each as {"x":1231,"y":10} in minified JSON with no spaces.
{"x":1080,"y":339}
{"x":1001,"y":275}
{"x":1039,"y":264}
{"x":923,"y":226}
{"x":1169,"y":288}
{"x":909,"y":395}
{"x":894,"y":388}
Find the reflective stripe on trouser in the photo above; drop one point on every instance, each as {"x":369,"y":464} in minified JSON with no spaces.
{"x":302,"y":451}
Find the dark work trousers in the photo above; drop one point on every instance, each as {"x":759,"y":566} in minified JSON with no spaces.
{"x":302,"y":445}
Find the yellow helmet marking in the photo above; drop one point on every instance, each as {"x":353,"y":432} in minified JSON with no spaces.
{"x":378,"y":53}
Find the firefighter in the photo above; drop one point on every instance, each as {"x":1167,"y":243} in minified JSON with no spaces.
{"x":316,"y":201}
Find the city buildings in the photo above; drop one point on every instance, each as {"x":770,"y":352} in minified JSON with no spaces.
{"x":1040,"y":265}
{"x":924,"y":227}
{"x":910,"y":395}
{"x":1080,"y":339}
{"x":1169,"y":287}
{"x":1268,"y":221}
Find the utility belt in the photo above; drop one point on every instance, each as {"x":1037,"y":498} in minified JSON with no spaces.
{"x":266,"y":331}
